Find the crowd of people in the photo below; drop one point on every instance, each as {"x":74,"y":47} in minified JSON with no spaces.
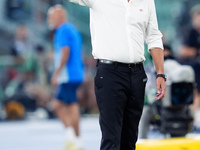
{"x":183,"y":67}
{"x":27,"y":81}
{"x":189,"y":54}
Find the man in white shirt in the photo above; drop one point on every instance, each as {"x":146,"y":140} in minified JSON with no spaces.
{"x":119,"y":29}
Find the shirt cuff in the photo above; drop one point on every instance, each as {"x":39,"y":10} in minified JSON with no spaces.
{"x":154,"y":45}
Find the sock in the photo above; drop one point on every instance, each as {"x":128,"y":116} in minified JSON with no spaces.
{"x":78,"y":142}
{"x":70,"y":134}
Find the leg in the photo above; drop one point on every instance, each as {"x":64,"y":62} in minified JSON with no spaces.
{"x":110,"y":90}
{"x":133,"y":109}
{"x":73,"y":111}
{"x":61,"y":112}
{"x":66,"y":107}
{"x":68,"y":111}
{"x":196,"y":103}
{"x":145,"y":120}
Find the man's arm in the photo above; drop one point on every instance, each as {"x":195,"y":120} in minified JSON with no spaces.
{"x":64,"y":58}
{"x":153,"y":35}
{"x":188,"y":51}
{"x":155,"y":46}
{"x":158,"y":58}
{"x":87,"y":3}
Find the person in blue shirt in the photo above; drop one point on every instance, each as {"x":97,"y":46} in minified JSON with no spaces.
{"x":69,"y":71}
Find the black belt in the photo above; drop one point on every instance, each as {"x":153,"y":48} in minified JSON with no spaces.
{"x":129,"y":65}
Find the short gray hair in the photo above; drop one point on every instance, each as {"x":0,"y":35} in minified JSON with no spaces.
{"x":195,"y":10}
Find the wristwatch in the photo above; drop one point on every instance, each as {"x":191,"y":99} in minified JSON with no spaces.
{"x":161,"y":75}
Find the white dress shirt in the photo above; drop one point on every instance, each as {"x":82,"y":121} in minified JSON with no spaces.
{"x":120,"y":28}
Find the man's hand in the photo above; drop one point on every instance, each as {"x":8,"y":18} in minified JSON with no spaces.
{"x":158,"y":58}
{"x":54,"y":80}
{"x":64,"y":58}
{"x":160,"y":84}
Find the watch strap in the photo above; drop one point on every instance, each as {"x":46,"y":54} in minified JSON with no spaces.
{"x":162,"y":75}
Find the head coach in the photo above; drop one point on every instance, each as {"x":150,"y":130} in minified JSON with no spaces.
{"x":119,"y":29}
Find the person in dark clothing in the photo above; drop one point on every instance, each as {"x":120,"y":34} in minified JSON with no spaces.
{"x":168,"y":52}
{"x":190,"y":51}
{"x":191,"y":41}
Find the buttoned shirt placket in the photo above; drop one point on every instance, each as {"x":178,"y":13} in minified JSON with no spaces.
{"x":129,"y":36}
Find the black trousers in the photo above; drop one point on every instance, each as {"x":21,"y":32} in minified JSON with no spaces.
{"x":120,"y":93}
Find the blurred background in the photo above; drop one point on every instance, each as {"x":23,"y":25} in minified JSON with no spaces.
{"x":26,"y":67}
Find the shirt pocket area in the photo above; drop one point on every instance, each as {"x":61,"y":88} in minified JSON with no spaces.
{"x":139,"y":15}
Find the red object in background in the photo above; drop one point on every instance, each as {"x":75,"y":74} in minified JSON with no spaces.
{"x":12,"y":73}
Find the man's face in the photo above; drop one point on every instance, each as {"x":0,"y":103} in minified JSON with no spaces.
{"x":21,"y":33}
{"x":196,"y":21}
{"x":52,"y":20}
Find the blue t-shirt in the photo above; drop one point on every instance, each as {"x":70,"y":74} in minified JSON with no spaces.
{"x":67,"y":35}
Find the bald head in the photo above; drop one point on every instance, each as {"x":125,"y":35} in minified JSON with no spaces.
{"x":195,"y":13}
{"x":56,"y":16}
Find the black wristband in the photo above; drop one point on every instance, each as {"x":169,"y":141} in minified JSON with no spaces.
{"x":161,"y":75}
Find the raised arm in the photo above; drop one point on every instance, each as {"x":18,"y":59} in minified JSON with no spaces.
{"x":87,"y":3}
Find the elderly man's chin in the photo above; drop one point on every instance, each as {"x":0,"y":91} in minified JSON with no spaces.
{"x":51,"y":27}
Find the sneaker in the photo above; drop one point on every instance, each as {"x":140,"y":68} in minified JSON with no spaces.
{"x":71,"y":146}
